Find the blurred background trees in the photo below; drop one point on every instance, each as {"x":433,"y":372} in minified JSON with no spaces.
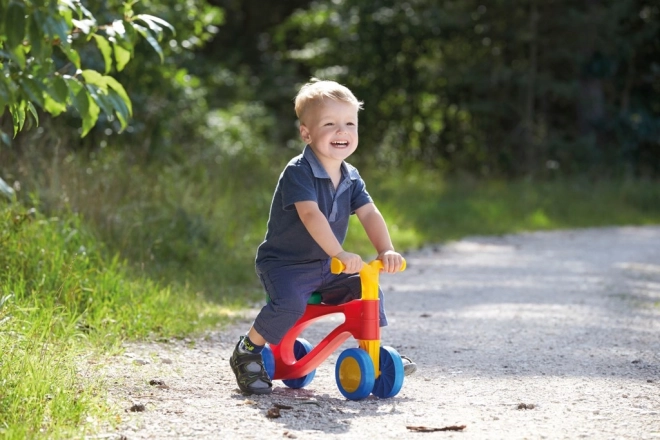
{"x":501,"y":88}
{"x":505,"y":91}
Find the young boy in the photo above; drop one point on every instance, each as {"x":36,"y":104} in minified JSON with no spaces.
{"x":315,"y":194}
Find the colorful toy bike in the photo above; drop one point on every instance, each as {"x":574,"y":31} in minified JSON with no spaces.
{"x":371,"y":368}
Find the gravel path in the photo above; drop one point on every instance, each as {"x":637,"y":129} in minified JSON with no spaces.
{"x":541,"y":335}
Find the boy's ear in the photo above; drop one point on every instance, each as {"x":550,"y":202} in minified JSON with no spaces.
{"x":304,"y":134}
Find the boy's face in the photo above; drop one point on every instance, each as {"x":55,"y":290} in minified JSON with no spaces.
{"x":330,"y":128}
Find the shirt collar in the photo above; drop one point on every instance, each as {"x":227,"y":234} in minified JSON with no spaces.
{"x":320,"y":172}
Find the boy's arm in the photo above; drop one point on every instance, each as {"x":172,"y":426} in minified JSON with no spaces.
{"x":319,"y":228}
{"x":376,"y":228}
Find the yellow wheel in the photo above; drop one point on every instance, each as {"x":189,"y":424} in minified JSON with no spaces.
{"x":354,"y":374}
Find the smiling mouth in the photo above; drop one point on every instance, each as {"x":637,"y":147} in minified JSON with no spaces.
{"x":339,"y":143}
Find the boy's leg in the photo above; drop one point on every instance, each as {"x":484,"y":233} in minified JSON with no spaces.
{"x":288,"y":290}
{"x":342,"y":288}
{"x":248,"y":367}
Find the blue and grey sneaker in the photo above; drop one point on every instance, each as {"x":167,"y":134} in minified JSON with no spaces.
{"x":409,"y":367}
{"x":251,"y":375}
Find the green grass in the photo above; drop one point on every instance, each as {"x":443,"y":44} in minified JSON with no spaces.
{"x":424,"y":208}
{"x":62,"y":296}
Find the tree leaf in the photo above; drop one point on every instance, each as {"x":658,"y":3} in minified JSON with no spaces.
{"x":89,"y":111}
{"x":59,"y":90}
{"x":122,"y":56}
{"x":53,"y":107}
{"x":100,"y":96}
{"x":106,"y":51}
{"x":86,"y":12}
{"x":151,"y":19}
{"x":118,"y":28}
{"x":86,"y":25}
{"x":33,"y":111}
{"x":158,"y":30}
{"x":95,"y":78}
{"x":81,"y":102}
{"x":73,"y":86}
{"x":119,"y":89}
{"x":121,"y":109}
{"x":18,"y":116}
{"x":36,"y":35}
{"x":92,"y":116}
{"x":71,"y":54}
{"x":57,"y":27}
{"x":73,"y":6}
{"x":33,"y":89}
{"x":150,"y":39}
{"x":15,"y":23}
{"x":17,"y":54}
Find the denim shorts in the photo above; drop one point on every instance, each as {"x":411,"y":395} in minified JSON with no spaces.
{"x":289,"y":288}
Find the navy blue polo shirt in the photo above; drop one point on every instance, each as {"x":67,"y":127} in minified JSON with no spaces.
{"x":304,"y":179}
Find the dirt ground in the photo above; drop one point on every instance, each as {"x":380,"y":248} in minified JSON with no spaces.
{"x":552,"y":335}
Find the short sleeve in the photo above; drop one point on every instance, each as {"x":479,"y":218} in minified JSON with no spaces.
{"x":297,"y":186}
{"x":359,"y":195}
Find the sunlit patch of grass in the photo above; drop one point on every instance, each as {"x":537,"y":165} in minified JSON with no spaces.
{"x":42,"y":394}
{"x":61,"y":294}
{"x":427,"y":208}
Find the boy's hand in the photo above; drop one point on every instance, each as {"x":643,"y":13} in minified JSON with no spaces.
{"x":353,"y":262}
{"x":392,"y":261}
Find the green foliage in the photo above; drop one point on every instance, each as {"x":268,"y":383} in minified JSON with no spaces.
{"x":180,"y":221}
{"x":170,"y":102}
{"x":62,"y":297}
{"x":56,"y":264}
{"x":492,"y":89}
{"x":444,"y":209}
{"x":41,"y":44}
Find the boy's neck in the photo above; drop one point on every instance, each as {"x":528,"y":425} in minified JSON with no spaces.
{"x":329,"y":165}
{"x":333,"y":168}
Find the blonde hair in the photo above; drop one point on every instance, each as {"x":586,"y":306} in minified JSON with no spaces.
{"x":316,"y":90}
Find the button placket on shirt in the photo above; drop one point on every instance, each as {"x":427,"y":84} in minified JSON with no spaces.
{"x":343,"y":186}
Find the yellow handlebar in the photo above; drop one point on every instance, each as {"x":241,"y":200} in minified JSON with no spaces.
{"x":337,"y":267}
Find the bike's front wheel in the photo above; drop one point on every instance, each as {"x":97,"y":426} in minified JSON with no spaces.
{"x":390,"y":381}
{"x":354,"y":373}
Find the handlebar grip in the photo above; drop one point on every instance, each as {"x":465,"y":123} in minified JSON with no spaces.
{"x":337,"y":267}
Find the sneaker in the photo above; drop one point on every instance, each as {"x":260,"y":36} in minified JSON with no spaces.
{"x":409,"y":367}
{"x":250,"y":372}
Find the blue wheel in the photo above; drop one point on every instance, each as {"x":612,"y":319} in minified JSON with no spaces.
{"x":354,"y":374}
{"x":390,"y":381}
{"x":269,"y":361}
{"x":300,"y":348}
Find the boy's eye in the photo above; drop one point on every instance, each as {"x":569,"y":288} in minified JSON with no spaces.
{"x":329,"y":123}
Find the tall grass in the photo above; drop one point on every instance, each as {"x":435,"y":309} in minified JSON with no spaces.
{"x":423,"y":207}
{"x":62,"y":295}
{"x":195,"y":224}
